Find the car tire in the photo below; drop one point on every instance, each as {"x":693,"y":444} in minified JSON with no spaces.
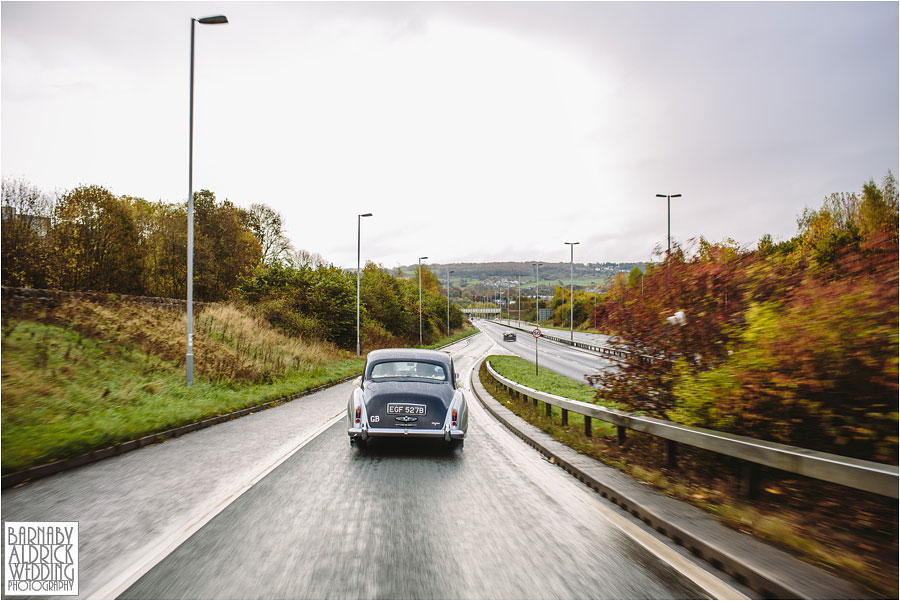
{"x":456,"y":444}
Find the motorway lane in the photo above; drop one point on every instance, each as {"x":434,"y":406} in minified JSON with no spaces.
{"x":568,"y":361}
{"x":588,"y":337}
{"x":406,"y":519}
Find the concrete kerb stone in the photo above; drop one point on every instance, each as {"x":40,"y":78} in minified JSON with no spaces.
{"x":762,"y":568}
{"x":48,"y":469}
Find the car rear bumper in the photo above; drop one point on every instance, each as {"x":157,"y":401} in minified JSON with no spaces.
{"x":366,"y":433}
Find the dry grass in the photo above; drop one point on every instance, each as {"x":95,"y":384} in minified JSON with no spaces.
{"x":230,"y":344}
{"x":66,"y":393}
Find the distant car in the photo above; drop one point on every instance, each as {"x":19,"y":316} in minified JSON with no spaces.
{"x":509,"y":336}
{"x":408,"y":393}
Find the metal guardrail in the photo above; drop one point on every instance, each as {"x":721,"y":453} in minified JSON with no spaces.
{"x":608,"y":351}
{"x":869,"y":476}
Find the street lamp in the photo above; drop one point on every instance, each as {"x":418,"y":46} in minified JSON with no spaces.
{"x":358,"y":242}
{"x":519,"y":302}
{"x":189,"y":357}
{"x":449,"y":271}
{"x":669,"y":198}
{"x":571,"y":289}
{"x":420,"y":299}
{"x":537,"y":293}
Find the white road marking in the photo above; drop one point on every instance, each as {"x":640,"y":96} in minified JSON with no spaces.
{"x":712,"y":585}
{"x":156,"y":552}
{"x":153,"y":553}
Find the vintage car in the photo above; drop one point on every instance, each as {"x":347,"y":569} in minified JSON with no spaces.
{"x":509,"y":336}
{"x":408,"y":393}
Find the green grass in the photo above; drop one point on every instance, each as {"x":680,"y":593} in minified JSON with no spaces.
{"x":522,"y":371}
{"x":65,"y":394}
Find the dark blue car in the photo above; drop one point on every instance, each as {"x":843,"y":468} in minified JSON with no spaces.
{"x":408,"y":393}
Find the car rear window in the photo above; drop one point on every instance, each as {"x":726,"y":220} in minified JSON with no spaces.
{"x":408,"y":369}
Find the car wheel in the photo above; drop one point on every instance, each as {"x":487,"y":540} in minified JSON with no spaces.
{"x":456,"y":444}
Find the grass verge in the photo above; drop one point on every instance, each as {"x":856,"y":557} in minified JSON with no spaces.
{"x":65,"y":394}
{"x":95,"y":375}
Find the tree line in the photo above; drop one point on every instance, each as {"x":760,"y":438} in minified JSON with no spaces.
{"x":90,"y":239}
{"x":794,"y":341}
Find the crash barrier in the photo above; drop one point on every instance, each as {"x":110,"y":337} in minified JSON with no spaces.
{"x":607,"y":351}
{"x":610,"y":352}
{"x":869,"y":476}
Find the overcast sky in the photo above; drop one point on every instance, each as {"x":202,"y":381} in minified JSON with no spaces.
{"x":473,"y":131}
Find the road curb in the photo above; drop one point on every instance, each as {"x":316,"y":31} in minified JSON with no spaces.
{"x":764,"y":569}
{"x":48,"y":469}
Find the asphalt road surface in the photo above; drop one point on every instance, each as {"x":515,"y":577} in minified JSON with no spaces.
{"x":589,"y":337}
{"x":562,"y":359}
{"x":406,"y":519}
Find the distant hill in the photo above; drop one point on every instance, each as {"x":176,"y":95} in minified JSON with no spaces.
{"x":501,"y":274}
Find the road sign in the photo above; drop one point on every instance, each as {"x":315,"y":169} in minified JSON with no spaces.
{"x":536,"y":332}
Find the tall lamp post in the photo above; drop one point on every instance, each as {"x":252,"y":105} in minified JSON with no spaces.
{"x":420,"y":299}
{"x":669,"y":198}
{"x":189,"y":357}
{"x":537,"y":292}
{"x":449,"y":271}
{"x":519,"y":302}
{"x":358,"y":243}
{"x":571,"y":289}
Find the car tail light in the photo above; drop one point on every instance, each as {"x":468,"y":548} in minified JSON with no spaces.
{"x":454,"y":416}
{"x":358,"y":413}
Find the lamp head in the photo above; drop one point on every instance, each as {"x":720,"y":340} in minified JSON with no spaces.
{"x":366,"y":215}
{"x":214,"y":20}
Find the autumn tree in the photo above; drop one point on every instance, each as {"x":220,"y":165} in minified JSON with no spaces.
{"x":26,"y":213}
{"x":95,"y":242}
{"x":225,"y":247}
{"x":794,"y":342}
{"x":634,"y":278}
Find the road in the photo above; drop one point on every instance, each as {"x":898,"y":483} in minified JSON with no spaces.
{"x":410,"y":520}
{"x":562,"y":359}
{"x":400,"y":519}
{"x":589,"y":337}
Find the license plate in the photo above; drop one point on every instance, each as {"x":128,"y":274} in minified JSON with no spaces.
{"x":404,"y":409}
